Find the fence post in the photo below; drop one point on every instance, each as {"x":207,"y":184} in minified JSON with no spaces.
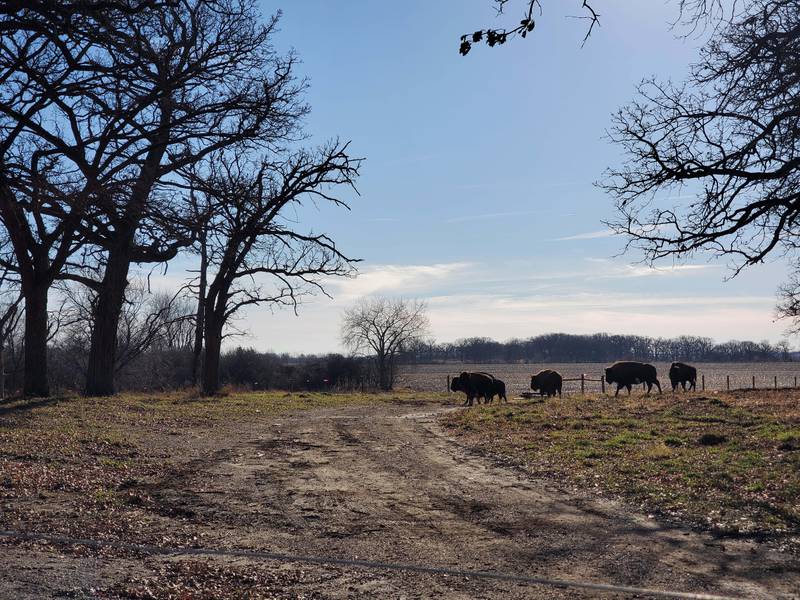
{"x":728,"y":382}
{"x":583,"y":375}
{"x":754,"y":382}
{"x":703,"y":382}
{"x":795,"y":381}
{"x":776,"y":382}
{"x":448,"y":383}
{"x":603,"y":384}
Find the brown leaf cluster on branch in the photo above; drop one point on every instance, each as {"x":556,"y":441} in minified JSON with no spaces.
{"x":493,"y":37}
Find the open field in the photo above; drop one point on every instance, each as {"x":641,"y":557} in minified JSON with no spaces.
{"x":527,"y":489}
{"x":433,"y":378}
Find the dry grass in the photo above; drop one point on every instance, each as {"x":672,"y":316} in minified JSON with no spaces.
{"x":77,"y":466}
{"x":729,"y":462}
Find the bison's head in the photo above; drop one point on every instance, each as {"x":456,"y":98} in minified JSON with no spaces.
{"x":455,"y":384}
{"x":609,"y":375}
{"x":534,"y":383}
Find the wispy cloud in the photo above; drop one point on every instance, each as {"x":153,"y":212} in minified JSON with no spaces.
{"x":516,"y":183}
{"x":504,"y":316}
{"x":494,"y":215}
{"x":590,"y":235}
{"x":397,"y":279}
{"x":402,"y":160}
{"x":625,"y":271}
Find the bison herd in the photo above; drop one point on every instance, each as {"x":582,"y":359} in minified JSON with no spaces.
{"x":625,"y":374}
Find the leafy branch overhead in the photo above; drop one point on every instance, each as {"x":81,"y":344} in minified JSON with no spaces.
{"x":493,"y":37}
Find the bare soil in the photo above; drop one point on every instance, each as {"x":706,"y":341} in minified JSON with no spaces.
{"x":379,"y":481}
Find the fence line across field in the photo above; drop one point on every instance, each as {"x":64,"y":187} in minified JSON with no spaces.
{"x":753,"y":382}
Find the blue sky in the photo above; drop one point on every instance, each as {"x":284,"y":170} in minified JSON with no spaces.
{"x":477,"y":193}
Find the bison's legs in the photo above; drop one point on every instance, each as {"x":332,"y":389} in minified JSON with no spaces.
{"x":649,"y":387}
{"x":619,"y":387}
{"x":658,"y":385}
{"x":630,"y":387}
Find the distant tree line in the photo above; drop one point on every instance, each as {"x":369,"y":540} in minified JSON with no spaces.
{"x":597,"y":347}
{"x":156,"y":352}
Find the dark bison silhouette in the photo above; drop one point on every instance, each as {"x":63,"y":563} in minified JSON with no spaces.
{"x":627,"y":373}
{"x":498,"y":389}
{"x":681,"y":373}
{"x":475,"y":386}
{"x":547,"y":382}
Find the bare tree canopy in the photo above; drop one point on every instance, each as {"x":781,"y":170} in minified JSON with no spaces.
{"x":726,"y":142}
{"x":384,"y":327}
{"x":251,"y":251}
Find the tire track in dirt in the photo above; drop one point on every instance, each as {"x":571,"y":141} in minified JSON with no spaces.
{"x":384,"y":483}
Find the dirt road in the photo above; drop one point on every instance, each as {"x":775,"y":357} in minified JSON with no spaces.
{"x":384,"y":483}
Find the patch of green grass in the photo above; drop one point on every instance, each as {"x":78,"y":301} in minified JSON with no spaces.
{"x":745,"y":474}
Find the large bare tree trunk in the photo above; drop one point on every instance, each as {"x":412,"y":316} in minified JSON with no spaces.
{"x":213,"y":339}
{"x":35,"y":381}
{"x":384,"y":381}
{"x":102,"y":354}
{"x":201,"y":303}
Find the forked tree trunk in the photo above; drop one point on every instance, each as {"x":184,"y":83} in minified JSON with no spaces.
{"x":213,"y":346}
{"x":35,"y":381}
{"x":102,"y":354}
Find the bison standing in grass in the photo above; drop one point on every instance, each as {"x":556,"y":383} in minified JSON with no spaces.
{"x":547,"y":383}
{"x":475,"y":386}
{"x":628,"y":373}
{"x":498,"y":389}
{"x":680,"y":373}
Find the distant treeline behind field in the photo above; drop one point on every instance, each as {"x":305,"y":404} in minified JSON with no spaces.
{"x":597,"y":347}
{"x":165,"y":361}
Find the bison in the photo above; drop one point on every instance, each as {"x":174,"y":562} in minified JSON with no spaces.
{"x":627,"y":373}
{"x":547,"y":382}
{"x":498,"y":389}
{"x":680,"y":373}
{"x":474,"y":385}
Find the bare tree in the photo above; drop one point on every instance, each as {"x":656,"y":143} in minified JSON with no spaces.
{"x":251,"y":251}
{"x":384,"y":327}
{"x":42,"y":196}
{"x":114,"y":98}
{"x":189,"y":78}
{"x":724,"y":146}
{"x":149,"y":320}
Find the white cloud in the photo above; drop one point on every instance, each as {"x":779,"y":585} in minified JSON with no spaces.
{"x":590,"y":235}
{"x":521,"y":298}
{"x":396,"y":279}
{"x":504,"y":317}
{"x":623,"y":271}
